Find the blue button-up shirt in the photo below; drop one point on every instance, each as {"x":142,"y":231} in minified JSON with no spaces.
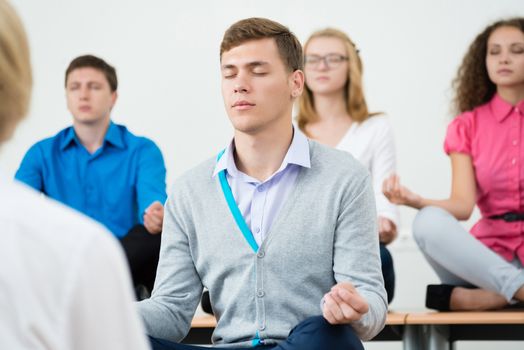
{"x":114,"y":185}
{"x":260,"y":202}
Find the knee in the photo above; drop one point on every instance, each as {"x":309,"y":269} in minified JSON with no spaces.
{"x":385,"y":258}
{"x":323,"y":335}
{"x":161,"y":344}
{"x":427,"y":225}
{"x":388,"y":272}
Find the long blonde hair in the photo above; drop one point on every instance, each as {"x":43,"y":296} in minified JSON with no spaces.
{"x":356,"y":105}
{"x":15,"y":71}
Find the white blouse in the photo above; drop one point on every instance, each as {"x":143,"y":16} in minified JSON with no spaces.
{"x":372,"y":143}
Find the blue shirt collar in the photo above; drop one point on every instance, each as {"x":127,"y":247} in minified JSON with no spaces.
{"x":113,"y":136}
{"x":298,"y":153}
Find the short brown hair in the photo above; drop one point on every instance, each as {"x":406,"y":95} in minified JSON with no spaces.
{"x":472,"y":84}
{"x":96,"y":63}
{"x":16,"y":79}
{"x":256,"y":28}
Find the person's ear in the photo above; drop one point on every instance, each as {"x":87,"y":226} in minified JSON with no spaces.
{"x":296,"y":83}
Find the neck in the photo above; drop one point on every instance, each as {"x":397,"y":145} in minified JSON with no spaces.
{"x":512,"y":95}
{"x":331,"y":107}
{"x":91,"y":136}
{"x":260,"y":155}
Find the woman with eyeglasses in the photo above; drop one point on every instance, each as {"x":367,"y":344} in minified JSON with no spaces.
{"x":333,"y":111}
{"x":482,"y":269}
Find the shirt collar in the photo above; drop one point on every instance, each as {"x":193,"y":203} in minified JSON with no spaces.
{"x":502,"y":109}
{"x":69,"y":136}
{"x":113,"y":136}
{"x":297,"y":153}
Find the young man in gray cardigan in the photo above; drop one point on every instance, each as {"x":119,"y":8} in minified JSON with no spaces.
{"x":280,"y":229}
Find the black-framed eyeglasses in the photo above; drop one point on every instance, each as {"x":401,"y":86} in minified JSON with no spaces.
{"x":331,"y":60}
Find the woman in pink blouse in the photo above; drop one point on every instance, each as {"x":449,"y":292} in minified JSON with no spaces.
{"x":482,"y":270}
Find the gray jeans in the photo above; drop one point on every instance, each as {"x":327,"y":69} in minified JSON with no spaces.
{"x":460,"y":259}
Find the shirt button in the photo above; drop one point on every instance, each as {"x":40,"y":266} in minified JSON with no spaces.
{"x":261,"y":188}
{"x":261,"y":254}
{"x":260,"y":294}
{"x":515,"y":142}
{"x":261,"y":327}
{"x":257,"y":230}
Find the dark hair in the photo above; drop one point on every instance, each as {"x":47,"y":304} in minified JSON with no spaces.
{"x":255,"y":28}
{"x":472,"y":84}
{"x":96,"y":63}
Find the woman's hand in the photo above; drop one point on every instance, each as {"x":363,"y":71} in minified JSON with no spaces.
{"x":387,"y":230}
{"x":398,"y":194}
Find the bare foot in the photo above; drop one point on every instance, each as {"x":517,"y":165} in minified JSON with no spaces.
{"x":464,"y":299}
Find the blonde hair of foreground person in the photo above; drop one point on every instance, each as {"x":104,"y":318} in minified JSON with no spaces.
{"x":15,"y":71}
{"x":63,"y":277}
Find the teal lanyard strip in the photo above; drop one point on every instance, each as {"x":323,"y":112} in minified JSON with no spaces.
{"x":257,"y":341}
{"x":233,"y":207}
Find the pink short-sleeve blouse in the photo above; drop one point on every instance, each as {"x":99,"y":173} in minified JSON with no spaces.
{"x":493,"y":135}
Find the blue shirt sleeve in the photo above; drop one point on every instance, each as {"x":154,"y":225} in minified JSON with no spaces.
{"x":30,"y":170}
{"x":151,"y":178}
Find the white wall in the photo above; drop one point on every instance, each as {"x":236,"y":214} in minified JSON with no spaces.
{"x":166,"y":55}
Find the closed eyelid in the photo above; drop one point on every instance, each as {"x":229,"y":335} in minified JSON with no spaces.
{"x":257,"y":65}
{"x":73,"y":86}
{"x":228,"y":67}
{"x":259,"y":68}
{"x":229,"y":70}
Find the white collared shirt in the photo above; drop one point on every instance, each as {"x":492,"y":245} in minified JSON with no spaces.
{"x":260,"y":202}
{"x":372,"y":143}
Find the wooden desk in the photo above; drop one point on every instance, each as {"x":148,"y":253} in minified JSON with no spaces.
{"x":440,"y":330}
{"x":424,"y":330}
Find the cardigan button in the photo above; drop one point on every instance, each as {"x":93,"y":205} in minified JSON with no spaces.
{"x":261,"y":254}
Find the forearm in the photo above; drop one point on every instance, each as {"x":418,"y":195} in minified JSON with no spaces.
{"x":459,"y":208}
{"x":386,"y":209}
{"x":374,"y":320}
{"x":461,"y":201}
{"x":167,"y":314}
{"x":151,"y":178}
{"x":357,"y":261}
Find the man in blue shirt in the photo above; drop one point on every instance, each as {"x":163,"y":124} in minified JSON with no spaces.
{"x":101,"y":169}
